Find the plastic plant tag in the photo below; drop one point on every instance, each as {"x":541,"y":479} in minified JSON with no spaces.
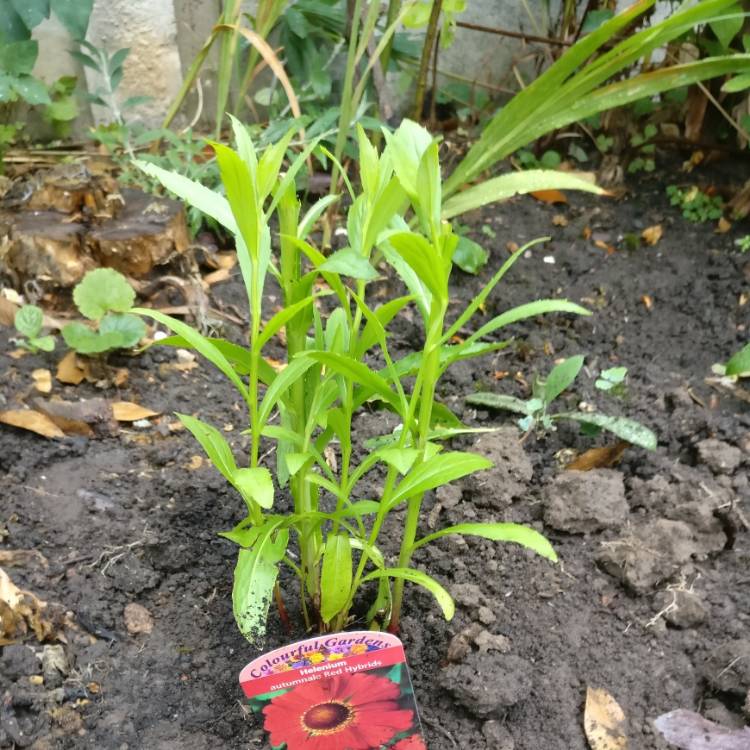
{"x":349,"y":691}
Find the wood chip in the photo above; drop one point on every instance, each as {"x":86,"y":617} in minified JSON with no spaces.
{"x":648,"y":303}
{"x":33,"y":421}
{"x":127,"y":411}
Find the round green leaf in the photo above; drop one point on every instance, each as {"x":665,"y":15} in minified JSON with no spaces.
{"x":129,"y":328}
{"x":28,"y":320}
{"x":85,"y":341}
{"x":102,"y":291}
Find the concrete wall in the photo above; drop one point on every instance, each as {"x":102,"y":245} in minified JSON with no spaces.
{"x":165,"y":35}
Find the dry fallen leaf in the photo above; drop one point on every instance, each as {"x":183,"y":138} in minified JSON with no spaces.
{"x":278,"y":366}
{"x":7,"y":312}
{"x":18,"y":353}
{"x":550,"y":196}
{"x":604,"y":721}
{"x":42,"y":380}
{"x":587,"y":232}
{"x":602,"y":245}
{"x":651,"y":235}
{"x":723,"y":226}
{"x":598,"y":458}
{"x":222,"y":274}
{"x":20,"y":611}
{"x":70,"y":370}
{"x":511,"y":246}
{"x":33,"y":421}
{"x":648,"y":303}
{"x":127,"y":411}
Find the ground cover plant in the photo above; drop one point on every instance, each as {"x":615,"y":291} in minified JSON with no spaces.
{"x":307,"y":408}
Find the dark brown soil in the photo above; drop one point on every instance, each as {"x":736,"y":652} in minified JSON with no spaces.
{"x":123,"y":519}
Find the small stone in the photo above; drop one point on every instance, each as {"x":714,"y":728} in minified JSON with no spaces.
{"x":488,"y":683}
{"x":18,"y":661}
{"x":727,"y":667}
{"x":138,"y":619}
{"x":497,"y":736}
{"x":486,"y":616}
{"x":55,"y":665}
{"x":719,"y":456}
{"x":653,"y":553}
{"x":581,"y":502}
{"x":467,"y":594}
{"x":683,"y":609}
{"x":486,"y":641}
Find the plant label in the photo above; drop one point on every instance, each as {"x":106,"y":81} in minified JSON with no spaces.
{"x":343,"y":690}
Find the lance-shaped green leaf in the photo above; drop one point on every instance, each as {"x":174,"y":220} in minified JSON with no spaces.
{"x":436,"y":471}
{"x":347,"y":262}
{"x":501,"y":401}
{"x":424,"y":260}
{"x":255,"y":485}
{"x":358,"y":372}
{"x":626,"y":429}
{"x":198,"y":342}
{"x":213,"y":443}
{"x":739,"y":363}
{"x":497,"y":532}
{"x":560,"y":378}
{"x":254,"y":579}
{"x":281,"y":385}
{"x":206,"y":201}
{"x":416,"y":576}
{"x":516,"y":183}
{"x":336,"y":575}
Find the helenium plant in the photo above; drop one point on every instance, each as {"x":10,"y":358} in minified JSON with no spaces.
{"x":338,"y":364}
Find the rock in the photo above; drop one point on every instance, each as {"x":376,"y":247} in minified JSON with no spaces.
{"x":719,"y":456}
{"x":682,"y":609}
{"x":488,"y":683}
{"x":727,"y":668}
{"x":138,"y":619}
{"x":18,"y":661}
{"x":55,"y":666}
{"x":653,"y":553}
{"x":581,"y":502}
{"x":486,"y":616}
{"x":460,"y":645}
{"x":497,"y":736}
{"x":511,"y":473}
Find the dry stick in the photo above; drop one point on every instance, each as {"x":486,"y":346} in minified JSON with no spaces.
{"x":513,"y":34}
{"x":429,"y":42}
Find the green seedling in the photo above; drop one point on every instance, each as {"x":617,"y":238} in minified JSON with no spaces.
{"x":612,"y":381}
{"x":105,"y":298}
{"x":538,"y":417}
{"x":738,"y":365}
{"x":29,"y":321}
{"x":644,"y":162}
{"x":338,"y":366}
{"x":743,"y":243}
{"x":696,"y":206}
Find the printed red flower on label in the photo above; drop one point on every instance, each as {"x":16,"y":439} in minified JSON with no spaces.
{"x":350,"y":712}
{"x":413,"y":742}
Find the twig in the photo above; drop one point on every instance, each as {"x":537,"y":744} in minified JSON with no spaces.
{"x":513,"y":34}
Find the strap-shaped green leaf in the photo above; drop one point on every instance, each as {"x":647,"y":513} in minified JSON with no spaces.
{"x":417,"y":576}
{"x":336,"y":575}
{"x":213,"y":443}
{"x":497,"y":532}
{"x":626,"y":429}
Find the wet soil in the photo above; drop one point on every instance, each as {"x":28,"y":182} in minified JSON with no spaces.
{"x":651,"y":600}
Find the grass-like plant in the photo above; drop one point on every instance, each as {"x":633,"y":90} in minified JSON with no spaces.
{"x":337,"y":365}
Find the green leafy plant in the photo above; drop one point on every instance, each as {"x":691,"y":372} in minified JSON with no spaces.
{"x":644,"y":161}
{"x":29,"y":322}
{"x":696,"y":206}
{"x":104,"y":297}
{"x":536,"y":410}
{"x":579,"y":84}
{"x":743,"y":243}
{"x":738,"y":365}
{"x":612,"y":380}
{"x":337,"y":366}
{"x":111,"y":70}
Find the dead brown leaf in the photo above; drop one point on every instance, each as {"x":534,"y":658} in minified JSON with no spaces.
{"x":602,"y":245}
{"x":651,"y":235}
{"x":18,"y":353}
{"x":21,"y":611}
{"x":70,"y":370}
{"x":599,"y":458}
{"x":550,"y":196}
{"x":604,"y":721}
{"x":586,"y":233}
{"x":127,"y":411}
{"x":215,"y":277}
{"x":511,"y":246}
{"x":723,"y":226}
{"x":33,"y":421}
{"x":7,"y":311}
{"x":42,"y":380}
